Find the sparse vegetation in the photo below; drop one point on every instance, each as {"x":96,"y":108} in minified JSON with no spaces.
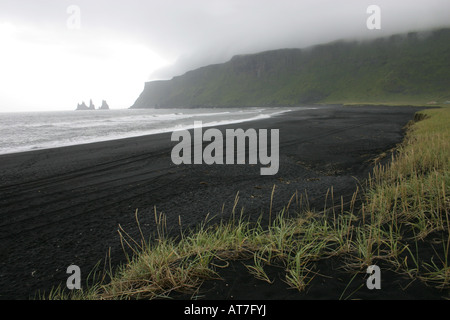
{"x":400,"y":219}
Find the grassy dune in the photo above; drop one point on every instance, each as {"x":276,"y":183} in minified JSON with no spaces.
{"x":399,"y":221}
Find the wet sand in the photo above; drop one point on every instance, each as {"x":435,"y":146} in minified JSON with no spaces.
{"x":63,"y":206}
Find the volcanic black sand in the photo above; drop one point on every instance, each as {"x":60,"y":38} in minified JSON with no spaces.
{"x":63,"y":206}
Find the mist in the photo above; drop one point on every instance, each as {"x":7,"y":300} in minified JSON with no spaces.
{"x":105,"y":57}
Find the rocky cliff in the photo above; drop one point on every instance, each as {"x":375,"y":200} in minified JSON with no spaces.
{"x":408,"y":66}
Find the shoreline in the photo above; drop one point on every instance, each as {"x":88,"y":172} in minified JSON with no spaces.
{"x":63,"y":206}
{"x":64,"y":143}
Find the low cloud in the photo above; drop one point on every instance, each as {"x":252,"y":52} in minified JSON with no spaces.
{"x":194,"y":33}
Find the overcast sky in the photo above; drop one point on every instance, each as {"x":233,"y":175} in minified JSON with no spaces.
{"x":56,"y":53}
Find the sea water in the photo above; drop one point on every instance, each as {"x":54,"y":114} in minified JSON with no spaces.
{"x":27,"y":131}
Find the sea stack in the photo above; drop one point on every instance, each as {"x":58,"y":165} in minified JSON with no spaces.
{"x":82,"y":106}
{"x":104,"y":106}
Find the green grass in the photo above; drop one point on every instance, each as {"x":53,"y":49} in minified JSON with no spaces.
{"x":410,"y":67}
{"x":402,"y":222}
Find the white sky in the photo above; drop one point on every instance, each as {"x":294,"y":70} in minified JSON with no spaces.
{"x":45,"y":65}
{"x":44,"y":70}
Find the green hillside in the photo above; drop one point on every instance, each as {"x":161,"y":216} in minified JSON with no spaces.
{"x":413,"y":67}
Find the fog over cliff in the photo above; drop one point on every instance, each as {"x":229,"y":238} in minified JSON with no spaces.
{"x":240,"y":27}
{"x":125,"y":43}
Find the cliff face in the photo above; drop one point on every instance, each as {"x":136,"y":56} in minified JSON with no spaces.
{"x":416,"y":65}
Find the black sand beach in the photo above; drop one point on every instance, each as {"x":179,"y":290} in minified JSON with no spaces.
{"x":63,"y":206}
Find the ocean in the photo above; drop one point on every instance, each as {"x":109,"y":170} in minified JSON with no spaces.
{"x":27,"y":131}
